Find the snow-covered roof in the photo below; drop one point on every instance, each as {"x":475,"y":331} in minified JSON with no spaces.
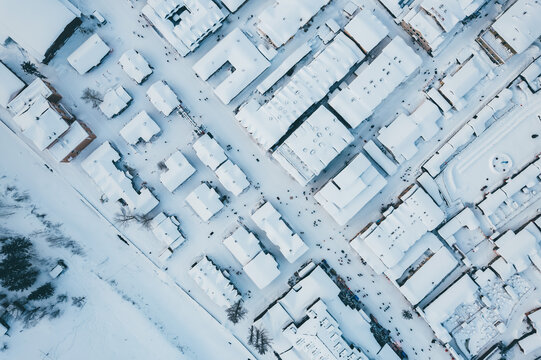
{"x":259,"y":266}
{"x":235,"y":49}
{"x":243,"y":245}
{"x":310,"y":148}
{"x":232,"y":178}
{"x":141,"y":127}
{"x":282,"y":69}
{"x":433,"y":19}
{"x":530,"y":343}
{"x":205,"y":201}
{"x":316,"y":285}
{"x":100,"y":166}
{"x":281,"y":20}
{"x":35,"y":91}
{"x":519,"y":25}
{"x":432,"y":272}
{"x":10,"y":85}
{"x":401,"y":136}
{"x":262,"y":270}
{"x":165,"y":228}
{"x":375,"y":82}
{"x":462,"y":291}
{"x":35,"y":24}
{"x":517,"y":249}
{"x":380,"y":158}
{"x":532,"y":75}
{"x":214,"y":283}
{"x":135,"y":65}
{"x":320,"y":335}
{"x":178,"y":171}
{"x":233,"y":5}
{"x":404,"y":226}
{"x":162,"y":97}
{"x":41,"y":123}
{"x":351,"y":189}
{"x":70,"y":141}
{"x":498,"y":198}
{"x":279,"y":233}
{"x":209,"y":151}
{"x":89,"y":54}
{"x":458,"y":84}
{"x":366,"y":29}
{"x":184,"y":23}
{"x":268,"y":123}
{"x":115,"y":101}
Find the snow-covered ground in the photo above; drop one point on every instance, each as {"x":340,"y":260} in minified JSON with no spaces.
{"x":169,"y":315}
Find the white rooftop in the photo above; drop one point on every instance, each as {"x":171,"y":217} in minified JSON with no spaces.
{"x":519,"y":25}
{"x":214,"y":283}
{"x":279,"y":233}
{"x":41,"y":123}
{"x":89,"y":54}
{"x":114,"y":101}
{"x":166,"y":229}
{"x":100,"y":166}
{"x":310,"y":148}
{"x":71,"y":139}
{"x":233,"y":5}
{"x":518,"y":249}
{"x":431,"y":273}
{"x":184,"y":23}
{"x":375,"y":82}
{"x":401,"y":136}
{"x":209,"y":151}
{"x":403,"y":227}
{"x":457,"y":85}
{"x":238,"y":51}
{"x":34,"y":24}
{"x":37,"y":90}
{"x":141,"y":127}
{"x":205,"y":201}
{"x":351,"y":189}
{"x":268,"y":123}
{"x":243,"y":245}
{"x":162,"y":97}
{"x":178,"y":171}
{"x":10,"y":85}
{"x":366,"y":29}
{"x":135,"y":65}
{"x":259,"y":266}
{"x":463,"y":291}
{"x":232,"y":178}
{"x":281,"y":20}
{"x":262,"y":269}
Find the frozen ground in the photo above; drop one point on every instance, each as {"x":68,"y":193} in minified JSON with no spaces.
{"x":163,"y":299}
{"x":133,"y":309}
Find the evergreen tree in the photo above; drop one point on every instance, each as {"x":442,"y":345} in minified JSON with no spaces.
{"x":236,"y":312}
{"x":259,"y":339}
{"x":31,"y":69}
{"x":43,"y":292}
{"x":16,"y":271}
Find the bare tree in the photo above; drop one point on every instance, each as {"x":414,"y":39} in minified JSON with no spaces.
{"x":145,"y":220}
{"x":124,"y":217}
{"x":236,"y":312}
{"x":92,"y":96}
